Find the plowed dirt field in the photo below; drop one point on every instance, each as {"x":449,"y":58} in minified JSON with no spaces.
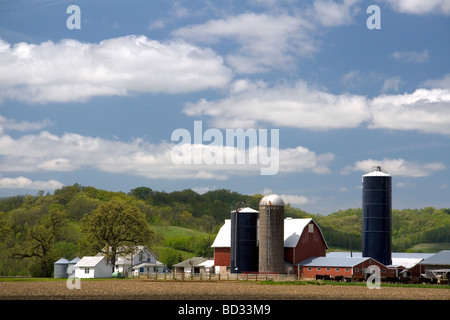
{"x":197,"y":290}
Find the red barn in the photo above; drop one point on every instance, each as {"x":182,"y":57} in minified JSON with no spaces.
{"x":302,"y":239}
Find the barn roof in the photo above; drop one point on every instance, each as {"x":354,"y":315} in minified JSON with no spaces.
{"x":293,"y":229}
{"x":331,"y":262}
{"x":89,"y":261}
{"x":440,"y":258}
{"x":405,"y":259}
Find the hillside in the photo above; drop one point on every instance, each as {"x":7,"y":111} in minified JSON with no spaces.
{"x":183,"y":224}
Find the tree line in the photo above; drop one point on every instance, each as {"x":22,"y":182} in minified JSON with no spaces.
{"x":37,"y":230}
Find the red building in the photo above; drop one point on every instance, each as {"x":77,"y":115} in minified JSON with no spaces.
{"x":302,"y":239}
{"x":344,"y":268}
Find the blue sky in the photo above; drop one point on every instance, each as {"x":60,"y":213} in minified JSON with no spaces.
{"x":98,"y":105}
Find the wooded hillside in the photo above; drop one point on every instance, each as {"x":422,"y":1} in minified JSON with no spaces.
{"x":36,"y":230}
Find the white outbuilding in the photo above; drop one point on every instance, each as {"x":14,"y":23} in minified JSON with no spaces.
{"x":93,"y":267}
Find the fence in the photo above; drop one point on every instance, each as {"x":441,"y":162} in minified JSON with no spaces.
{"x":206,"y":276}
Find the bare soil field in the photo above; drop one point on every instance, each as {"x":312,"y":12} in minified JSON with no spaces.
{"x":199,"y":290}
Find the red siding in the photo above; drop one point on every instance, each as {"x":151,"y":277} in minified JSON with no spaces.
{"x":309,"y":245}
{"x":222,"y":257}
{"x":356,"y":271}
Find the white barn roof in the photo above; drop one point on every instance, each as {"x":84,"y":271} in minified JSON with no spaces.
{"x":293,"y":229}
{"x":89,"y":261}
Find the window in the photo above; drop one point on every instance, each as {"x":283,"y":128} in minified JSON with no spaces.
{"x":347,"y":269}
{"x":328,"y":269}
{"x":309,"y":268}
{"x":338,"y":269}
{"x":310,"y":228}
{"x":319,"y":268}
{"x":356,"y":269}
{"x":86,"y":270}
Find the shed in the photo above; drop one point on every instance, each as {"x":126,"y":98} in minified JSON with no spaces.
{"x":93,"y":267}
{"x":190,"y":265}
{"x":438,"y":265}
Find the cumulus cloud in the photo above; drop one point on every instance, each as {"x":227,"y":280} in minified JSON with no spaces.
{"x":264,"y":41}
{"x":425,"y":110}
{"x":252,"y":104}
{"x":25,"y":183}
{"x":397,"y":167}
{"x":330,"y":13}
{"x":297,"y":106}
{"x":295,"y":199}
{"x":420,"y":6}
{"x":70,"y":70}
{"x":71,"y":152}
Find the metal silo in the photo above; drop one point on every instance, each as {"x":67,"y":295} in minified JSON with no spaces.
{"x":377,"y":215}
{"x":244,"y":248}
{"x":60,"y":268}
{"x":271,"y":234}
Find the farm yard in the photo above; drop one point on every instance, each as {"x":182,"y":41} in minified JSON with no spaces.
{"x":140,"y":289}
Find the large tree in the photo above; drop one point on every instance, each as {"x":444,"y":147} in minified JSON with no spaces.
{"x":112,"y":225}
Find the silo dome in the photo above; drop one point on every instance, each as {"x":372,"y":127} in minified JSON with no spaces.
{"x":272,"y":199}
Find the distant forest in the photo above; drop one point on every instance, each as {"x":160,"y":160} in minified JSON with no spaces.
{"x":40,"y":229}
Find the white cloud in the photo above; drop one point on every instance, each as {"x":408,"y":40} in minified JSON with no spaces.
{"x":423,"y":110}
{"x":10,"y":124}
{"x":297,"y":106}
{"x":391,"y":84}
{"x":70,"y":70}
{"x":264,"y":41}
{"x":443,"y":83}
{"x":71,"y":152}
{"x":295,"y":199}
{"x":25,"y":183}
{"x":420,"y":6}
{"x":330,"y":13}
{"x":411,"y":56}
{"x":252,"y":104}
{"x":397,"y":167}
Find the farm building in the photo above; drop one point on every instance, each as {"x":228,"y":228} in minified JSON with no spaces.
{"x":406,"y":264}
{"x":143,"y":261}
{"x":340,"y":268}
{"x":437,"y":266}
{"x":302,"y":239}
{"x":195,"y":264}
{"x":93,"y":267}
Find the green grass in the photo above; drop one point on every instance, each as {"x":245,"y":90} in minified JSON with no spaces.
{"x":173,"y":231}
{"x":429,"y":247}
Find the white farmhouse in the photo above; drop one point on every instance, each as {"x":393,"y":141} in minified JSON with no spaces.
{"x":93,"y":267}
{"x":143,"y":261}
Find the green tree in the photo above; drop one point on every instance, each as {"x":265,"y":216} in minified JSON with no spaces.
{"x":112,"y":225}
{"x":40,"y":239}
